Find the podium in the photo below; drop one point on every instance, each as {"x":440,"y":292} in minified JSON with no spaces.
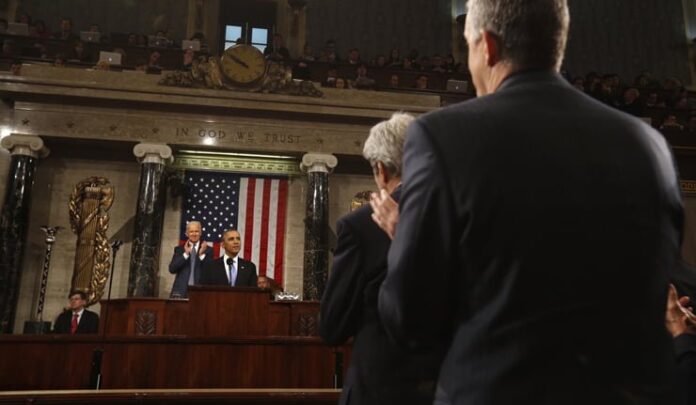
{"x":211,"y":311}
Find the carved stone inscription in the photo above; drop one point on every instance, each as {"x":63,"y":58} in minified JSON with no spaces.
{"x":245,"y":135}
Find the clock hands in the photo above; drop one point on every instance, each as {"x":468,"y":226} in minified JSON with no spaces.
{"x":236,"y":59}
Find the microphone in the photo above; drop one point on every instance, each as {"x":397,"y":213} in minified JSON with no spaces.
{"x":230,"y":261}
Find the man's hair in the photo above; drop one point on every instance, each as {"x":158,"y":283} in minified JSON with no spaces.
{"x":228,"y":231}
{"x":78,"y":292}
{"x":194,"y":223}
{"x":531,"y":33}
{"x":386,"y":142}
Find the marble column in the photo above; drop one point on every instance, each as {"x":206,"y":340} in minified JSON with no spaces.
{"x":316,"y":245}
{"x":14,"y":221}
{"x":149,"y":219}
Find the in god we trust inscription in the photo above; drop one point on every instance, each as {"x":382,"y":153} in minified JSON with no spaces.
{"x":238,"y":136}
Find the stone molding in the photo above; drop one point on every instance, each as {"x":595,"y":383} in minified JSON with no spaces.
{"x":25,"y":145}
{"x":318,"y":162}
{"x":153,"y":153}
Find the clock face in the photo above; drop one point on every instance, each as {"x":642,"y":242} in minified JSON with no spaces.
{"x":243,"y":64}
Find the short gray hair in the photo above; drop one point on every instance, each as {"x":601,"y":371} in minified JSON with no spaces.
{"x":386,"y":142}
{"x":532,"y":33}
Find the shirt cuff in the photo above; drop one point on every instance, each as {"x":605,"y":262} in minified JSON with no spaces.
{"x":202,"y":256}
{"x":186,"y":255}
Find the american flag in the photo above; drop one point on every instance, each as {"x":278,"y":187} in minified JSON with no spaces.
{"x":254,"y":205}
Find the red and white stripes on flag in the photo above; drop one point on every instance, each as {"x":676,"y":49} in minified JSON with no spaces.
{"x":262,"y":208}
{"x":254,"y":205}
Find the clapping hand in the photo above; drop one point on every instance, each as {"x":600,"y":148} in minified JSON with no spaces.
{"x":202,"y":248}
{"x":187,"y":247}
{"x":385,"y":212}
{"x":679,"y":318}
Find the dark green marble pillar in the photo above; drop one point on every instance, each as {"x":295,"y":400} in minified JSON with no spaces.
{"x":14,"y":220}
{"x":149,"y":220}
{"x":316,"y":246}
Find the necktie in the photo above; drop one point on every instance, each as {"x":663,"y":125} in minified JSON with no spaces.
{"x":73,"y":324}
{"x":193,"y":257}
{"x":233,"y":271}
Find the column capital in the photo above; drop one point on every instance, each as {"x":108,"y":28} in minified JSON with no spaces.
{"x":318,"y":162}
{"x":25,"y":145}
{"x":153,"y":153}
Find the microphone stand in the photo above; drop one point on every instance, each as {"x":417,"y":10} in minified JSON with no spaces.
{"x":95,"y":378}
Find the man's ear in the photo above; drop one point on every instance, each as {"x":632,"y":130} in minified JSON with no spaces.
{"x":382,"y":172}
{"x":492,"y":48}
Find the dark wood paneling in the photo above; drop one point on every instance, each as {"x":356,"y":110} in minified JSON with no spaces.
{"x":64,"y":362}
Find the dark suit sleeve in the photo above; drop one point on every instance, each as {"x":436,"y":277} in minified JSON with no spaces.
{"x":685,"y":350}
{"x":340,"y":308}
{"x":62,"y":325}
{"x":178,"y":260}
{"x":414,"y":300}
{"x":206,"y":272}
{"x":91,"y":322}
{"x":254,"y":276}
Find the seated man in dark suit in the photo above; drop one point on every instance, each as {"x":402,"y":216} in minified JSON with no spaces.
{"x":77,"y":319}
{"x":230,"y":269}
{"x":380,"y":371}
{"x":187,"y":260}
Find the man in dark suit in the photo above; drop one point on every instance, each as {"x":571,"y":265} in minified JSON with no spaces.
{"x":528,"y":218}
{"x":380,"y":372}
{"x":230,"y":269}
{"x":77,"y":319}
{"x":187,"y":260}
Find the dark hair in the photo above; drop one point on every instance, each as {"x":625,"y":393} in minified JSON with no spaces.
{"x":81,"y":293}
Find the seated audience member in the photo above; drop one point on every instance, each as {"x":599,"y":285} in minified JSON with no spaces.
{"x":76,"y":319}
{"x":40,"y":30}
{"x":79,"y":53}
{"x":200,"y":37}
{"x":229,"y":269}
{"x":407,"y":64}
{"x":188,"y":58}
{"x":153,"y":61}
{"x":681,"y":324}
{"x":672,"y":83}
{"x":681,"y":103}
{"x":9,"y":48}
{"x":276,"y":50}
{"x":653,"y":101}
{"x":59,"y":60}
{"x":671,"y":124}
{"x":301,"y":68}
{"x":381,"y":61}
{"x":103,"y":66}
{"x":437,"y":65}
{"x":362,"y":81}
{"x":132,"y":39}
{"x":328,"y":53}
{"x":24,"y":18}
{"x":3,"y":25}
{"x":631,"y":102}
{"x":16,"y":67}
{"x":354,"y":56}
{"x":422,"y":82}
{"x":381,"y":372}
{"x":331,"y":75}
{"x":341,"y":83}
{"x":268,"y":283}
{"x":394,"y":60}
{"x":394,"y":81}
{"x":141,"y":40}
{"x":66,"y":33}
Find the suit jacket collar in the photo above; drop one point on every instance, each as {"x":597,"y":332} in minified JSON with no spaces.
{"x":538,"y":76}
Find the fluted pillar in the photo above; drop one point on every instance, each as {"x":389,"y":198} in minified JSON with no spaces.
{"x":316,"y":246}
{"x":14,"y":222}
{"x":149,"y":219}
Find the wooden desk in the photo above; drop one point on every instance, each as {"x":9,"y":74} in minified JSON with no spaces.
{"x":211,"y":311}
